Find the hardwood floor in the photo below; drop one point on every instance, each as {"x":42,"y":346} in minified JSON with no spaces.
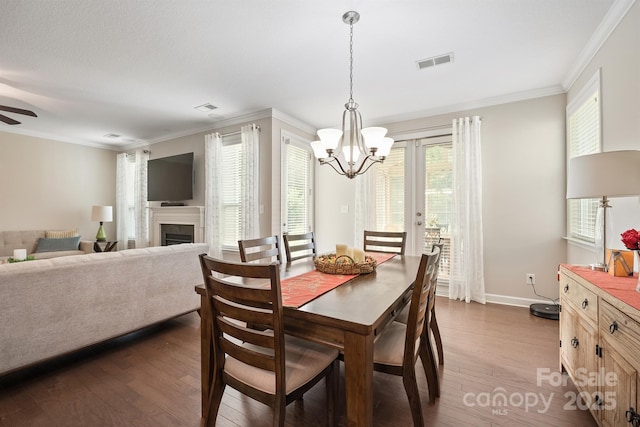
{"x":152,"y":378}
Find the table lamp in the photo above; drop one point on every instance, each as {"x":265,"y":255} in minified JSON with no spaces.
{"x":101,"y":214}
{"x":603,"y":175}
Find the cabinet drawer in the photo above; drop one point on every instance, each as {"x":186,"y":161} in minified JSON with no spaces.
{"x":584,"y":301}
{"x":622,"y":332}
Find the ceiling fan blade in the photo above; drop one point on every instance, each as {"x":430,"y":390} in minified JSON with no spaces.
{"x":8,"y":120}
{"x":18,"y":111}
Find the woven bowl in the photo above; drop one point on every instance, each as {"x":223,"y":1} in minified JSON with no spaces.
{"x":344,"y":264}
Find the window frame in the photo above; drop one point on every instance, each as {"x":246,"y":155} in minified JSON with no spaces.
{"x":585,"y":207}
{"x":229,"y":140}
{"x":299,"y":142}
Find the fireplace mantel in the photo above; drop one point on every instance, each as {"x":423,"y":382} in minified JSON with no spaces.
{"x":187,"y":215}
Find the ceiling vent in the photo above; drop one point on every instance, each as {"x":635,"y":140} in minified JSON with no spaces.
{"x":205,"y":108}
{"x":435,"y":60}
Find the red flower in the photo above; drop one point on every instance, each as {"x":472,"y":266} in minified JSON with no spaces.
{"x":631,"y":239}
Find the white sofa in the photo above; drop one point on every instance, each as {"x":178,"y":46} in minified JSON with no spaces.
{"x":28,"y":239}
{"x":50,"y":307}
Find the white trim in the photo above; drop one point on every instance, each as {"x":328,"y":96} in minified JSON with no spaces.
{"x":292,"y":121}
{"x":609,"y":23}
{"x":479,"y":103}
{"x":585,"y":93}
{"x":443,"y":291}
{"x":57,"y":138}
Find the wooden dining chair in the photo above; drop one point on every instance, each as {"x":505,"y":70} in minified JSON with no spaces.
{"x":397,"y":348}
{"x":264,"y":364}
{"x":403,"y":316}
{"x":298,"y":246}
{"x":385,"y":241}
{"x":263,"y":249}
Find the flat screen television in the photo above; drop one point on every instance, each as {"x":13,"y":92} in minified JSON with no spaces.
{"x":170,"y":179}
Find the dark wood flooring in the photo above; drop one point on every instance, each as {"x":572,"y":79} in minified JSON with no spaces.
{"x":152,"y":378}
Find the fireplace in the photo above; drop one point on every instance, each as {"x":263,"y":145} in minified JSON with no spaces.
{"x":174,"y":234}
{"x":163,"y":216}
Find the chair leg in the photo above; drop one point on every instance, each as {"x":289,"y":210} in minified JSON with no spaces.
{"x":215,"y":397}
{"x":331,"y":385}
{"x":436,"y":337}
{"x":279,"y":411}
{"x":411,"y":387}
{"x":429,"y":366}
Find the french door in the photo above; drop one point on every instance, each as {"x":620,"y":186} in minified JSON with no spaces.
{"x":413,"y":192}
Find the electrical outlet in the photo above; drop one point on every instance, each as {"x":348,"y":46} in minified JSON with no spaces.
{"x":531,"y":279}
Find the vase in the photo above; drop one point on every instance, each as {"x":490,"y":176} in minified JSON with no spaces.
{"x":637,"y":263}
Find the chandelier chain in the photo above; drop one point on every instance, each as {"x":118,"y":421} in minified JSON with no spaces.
{"x":351,"y":61}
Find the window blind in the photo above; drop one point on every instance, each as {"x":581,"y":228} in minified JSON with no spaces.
{"x":298,"y":191}
{"x":583,"y":137}
{"x":390,"y":191}
{"x":233,"y":174}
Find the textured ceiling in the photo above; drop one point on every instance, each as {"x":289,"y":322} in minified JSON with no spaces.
{"x":138,"y":68}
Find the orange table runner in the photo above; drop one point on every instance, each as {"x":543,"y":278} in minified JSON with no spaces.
{"x":299,"y":290}
{"x":623,"y":288}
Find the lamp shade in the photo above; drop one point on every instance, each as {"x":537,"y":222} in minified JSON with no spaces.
{"x":611,"y":174}
{"x":102,"y":213}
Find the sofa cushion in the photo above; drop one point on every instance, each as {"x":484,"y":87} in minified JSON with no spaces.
{"x":58,"y":234}
{"x":61,"y":244}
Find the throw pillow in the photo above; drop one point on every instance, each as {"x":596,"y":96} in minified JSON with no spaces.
{"x":63,"y":244}
{"x":57,"y":234}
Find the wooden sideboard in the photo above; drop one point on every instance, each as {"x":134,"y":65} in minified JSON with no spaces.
{"x":600,"y":342}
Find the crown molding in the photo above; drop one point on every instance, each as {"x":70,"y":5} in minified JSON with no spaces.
{"x":292,"y":121}
{"x":58,"y":138}
{"x":471,"y":105}
{"x":609,"y":23}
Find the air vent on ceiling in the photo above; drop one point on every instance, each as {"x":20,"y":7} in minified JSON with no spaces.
{"x":205,"y":108}
{"x":435,"y":60}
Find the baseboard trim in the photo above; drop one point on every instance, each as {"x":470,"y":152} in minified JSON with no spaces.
{"x":443,"y":291}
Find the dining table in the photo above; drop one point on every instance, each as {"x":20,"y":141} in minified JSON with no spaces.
{"x":348,"y":317}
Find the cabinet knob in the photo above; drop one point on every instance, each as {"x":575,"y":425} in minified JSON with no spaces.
{"x":575,"y":343}
{"x":585,"y":303}
{"x":566,"y":288}
{"x":613,"y":327}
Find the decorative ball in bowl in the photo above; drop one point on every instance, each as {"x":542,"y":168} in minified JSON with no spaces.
{"x":344,"y":264}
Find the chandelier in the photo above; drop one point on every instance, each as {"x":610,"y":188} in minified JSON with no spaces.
{"x":343,"y":149}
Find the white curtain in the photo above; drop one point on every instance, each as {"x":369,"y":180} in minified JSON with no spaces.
{"x":140,"y":204}
{"x":122,"y":202}
{"x":212,"y":194}
{"x":250,"y":135}
{"x":467,"y":268}
{"x":131,"y":195}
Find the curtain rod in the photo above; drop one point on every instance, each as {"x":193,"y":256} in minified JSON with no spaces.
{"x":236,"y":132}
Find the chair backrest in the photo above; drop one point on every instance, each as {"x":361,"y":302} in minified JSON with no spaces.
{"x":440,"y":246}
{"x":385,"y":241}
{"x":238,"y":302}
{"x":298,"y":246}
{"x":264,"y":249}
{"x":420,"y":305}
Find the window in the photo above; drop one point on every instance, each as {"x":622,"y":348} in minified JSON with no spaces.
{"x":297,"y":185}
{"x":232,"y":209}
{"x":583,"y":137}
{"x":389,"y":192}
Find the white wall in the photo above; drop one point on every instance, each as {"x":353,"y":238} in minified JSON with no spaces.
{"x":619,"y":61}
{"x":47,"y":184}
{"x":523,"y":146}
